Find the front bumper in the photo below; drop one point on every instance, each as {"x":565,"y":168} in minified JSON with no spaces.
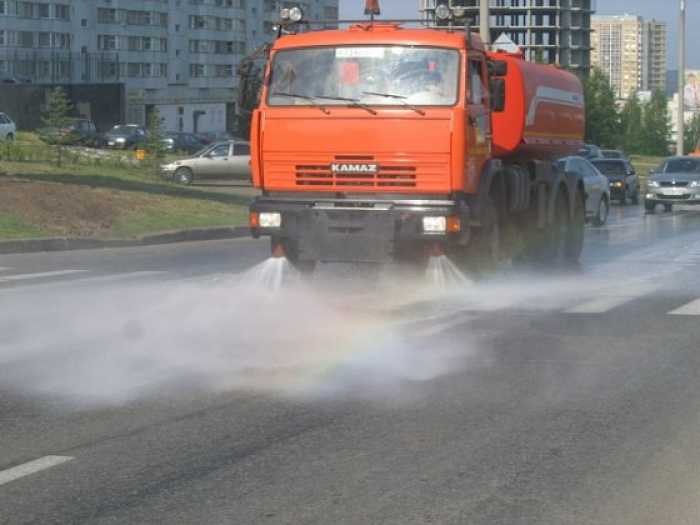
{"x":354,"y":230}
{"x":682,"y":195}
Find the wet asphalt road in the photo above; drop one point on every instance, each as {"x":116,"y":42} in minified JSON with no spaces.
{"x":172,"y":393}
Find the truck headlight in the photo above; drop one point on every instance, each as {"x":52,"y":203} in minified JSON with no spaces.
{"x":296,"y":15}
{"x":270,"y":220}
{"x":435,"y":224}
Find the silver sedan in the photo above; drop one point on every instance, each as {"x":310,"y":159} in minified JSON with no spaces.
{"x":676,"y":181}
{"x":596,"y":185}
{"x":224,"y":160}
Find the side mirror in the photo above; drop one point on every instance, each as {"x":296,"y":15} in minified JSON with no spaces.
{"x":498,"y":95}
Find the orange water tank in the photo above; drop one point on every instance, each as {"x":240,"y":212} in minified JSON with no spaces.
{"x":544,"y":115}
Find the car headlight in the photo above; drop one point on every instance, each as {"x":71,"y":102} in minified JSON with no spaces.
{"x":695,"y":184}
{"x":653,"y":184}
{"x":120,"y":139}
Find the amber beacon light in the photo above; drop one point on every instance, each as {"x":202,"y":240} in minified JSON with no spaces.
{"x":372,"y":7}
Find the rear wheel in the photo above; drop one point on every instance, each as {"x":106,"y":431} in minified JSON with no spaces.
{"x":601,"y":217}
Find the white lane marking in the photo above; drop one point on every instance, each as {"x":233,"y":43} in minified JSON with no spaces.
{"x":25,"y":469}
{"x":607,"y":301}
{"x":85,"y":280}
{"x":692,"y":308}
{"x":38,"y":275}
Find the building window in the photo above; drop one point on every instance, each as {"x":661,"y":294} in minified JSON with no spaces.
{"x":61,"y":40}
{"x":106,"y":42}
{"x":25,"y":9}
{"x":44,"y":39}
{"x":62,"y":12}
{"x":106,"y":16}
{"x":197,"y":70}
{"x":25,"y":39}
{"x":224,"y":70}
{"x":42,"y":10}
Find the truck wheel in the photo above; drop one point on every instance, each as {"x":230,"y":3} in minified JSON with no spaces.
{"x":484,"y":250}
{"x":291,"y":252}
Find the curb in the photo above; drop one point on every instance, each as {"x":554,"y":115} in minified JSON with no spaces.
{"x":54,"y":244}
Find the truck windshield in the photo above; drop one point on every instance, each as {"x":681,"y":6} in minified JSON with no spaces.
{"x":366,"y":75}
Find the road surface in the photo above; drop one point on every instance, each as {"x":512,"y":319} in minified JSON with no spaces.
{"x":157,"y":385}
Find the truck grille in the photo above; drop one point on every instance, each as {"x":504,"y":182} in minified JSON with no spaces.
{"x":385,"y":177}
{"x":414,"y":173}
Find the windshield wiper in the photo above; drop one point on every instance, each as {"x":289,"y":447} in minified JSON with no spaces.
{"x":400,"y":98}
{"x":353,"y":102}
{"x":303,"y":97}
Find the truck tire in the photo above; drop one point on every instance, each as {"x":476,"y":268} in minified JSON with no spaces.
{"x":484,"y":251}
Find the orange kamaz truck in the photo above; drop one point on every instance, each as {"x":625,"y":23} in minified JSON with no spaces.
{"x":381,"y":142}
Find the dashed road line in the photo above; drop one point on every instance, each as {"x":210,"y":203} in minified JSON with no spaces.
{"x":692,"y":308}
{"x":32,"y":467}
{"x":37,"y":275}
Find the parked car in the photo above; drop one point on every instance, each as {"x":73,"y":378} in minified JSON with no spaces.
{"x":8,"y":129}
{"x":624,"y":183}
{"x":125,"y":136}
{"x":590,"y":151}
{"x":210,"y":137}
{"x":223,"y":160}
{"x":596,"y":186}
{"x":676,"y":181}
{"x":614,"y":154}
{"x":185,"y":142}
{"x":78,"y":131}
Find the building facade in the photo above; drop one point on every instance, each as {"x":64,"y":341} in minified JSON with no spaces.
{"x":631,"y":52}
{"x":177,"y":55}
{"x":550,"y":31}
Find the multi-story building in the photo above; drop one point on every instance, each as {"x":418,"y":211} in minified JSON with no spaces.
{"x":551,"y":31}
{"x":631,"y":52}
{"x":177,"y":55}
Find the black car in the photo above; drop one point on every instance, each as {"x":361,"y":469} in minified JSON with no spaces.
{"x":624,"y":183}
{"x":77,"y":132}
{"x":590,"y":152}
{"x":185,"y":142}
{"x":125,"y":136}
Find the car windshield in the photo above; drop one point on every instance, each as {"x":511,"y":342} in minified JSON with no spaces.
{"x":611,"y":154}
{"x":367,"y":75}
{"x":682,"y":166}
{"x":611,"y":168}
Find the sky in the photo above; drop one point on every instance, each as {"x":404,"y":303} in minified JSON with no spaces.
{"x":664,"y":10}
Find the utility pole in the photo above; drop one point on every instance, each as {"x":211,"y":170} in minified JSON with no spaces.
{"x":681,"y":83}
{"x":485,"y":25}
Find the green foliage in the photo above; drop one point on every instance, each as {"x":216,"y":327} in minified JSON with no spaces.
{"x":631,"y":126}
{"x":656,"y":125}
{"x":602,"y":119}
{"x":692,"y":134}
{"x":154,"y":140}
{"x":55,"y":116}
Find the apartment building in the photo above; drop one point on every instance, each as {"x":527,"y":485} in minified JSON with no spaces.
{"x":550,"y":31}
{"x":177,"y":55}
{"x":631,"y":52}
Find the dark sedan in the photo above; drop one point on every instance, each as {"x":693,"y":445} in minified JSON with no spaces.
{"x":624,"y":183}
{"x":125,"y":136}
{"x":184,"y":142}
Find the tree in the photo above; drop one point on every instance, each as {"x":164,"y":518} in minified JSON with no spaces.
{"x":154,"y":139}
{"x":631,"y":126}
{"x":55,"y":117}
{"x":692,"y":134}
{"x":602,"y":119}
{"x":656,"y":126}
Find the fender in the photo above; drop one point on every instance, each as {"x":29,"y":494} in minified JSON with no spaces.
{"x":476,"y":202}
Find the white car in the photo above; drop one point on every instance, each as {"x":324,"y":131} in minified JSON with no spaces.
{"x":597,"y":188}
{"x":223,"y":160}
{"x":8,"y":130}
